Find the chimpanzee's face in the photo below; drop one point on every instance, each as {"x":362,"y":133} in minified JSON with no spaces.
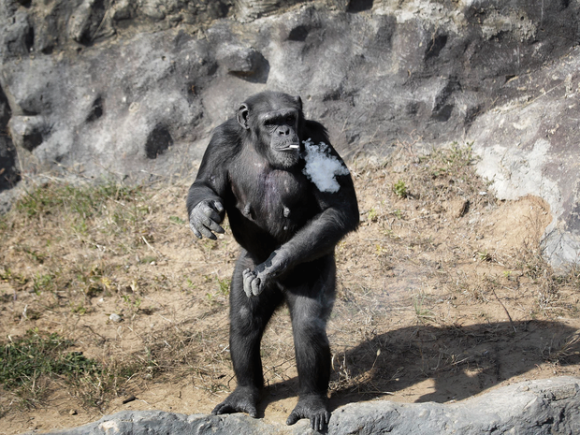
{"x":275,"y":124}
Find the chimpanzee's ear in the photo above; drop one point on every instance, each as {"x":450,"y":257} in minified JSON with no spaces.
{"x":243,"y":115}
{"x":299,"y":102}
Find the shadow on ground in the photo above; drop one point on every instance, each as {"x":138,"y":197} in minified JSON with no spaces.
{"x":461,"y":361}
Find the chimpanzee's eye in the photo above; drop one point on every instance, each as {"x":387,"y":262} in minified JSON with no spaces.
{"x":290,"y":119}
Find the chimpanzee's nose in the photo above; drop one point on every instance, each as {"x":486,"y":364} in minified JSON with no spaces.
{"x":284,"y":131}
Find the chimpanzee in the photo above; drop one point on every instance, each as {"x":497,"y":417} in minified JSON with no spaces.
{"x":289,"y":199}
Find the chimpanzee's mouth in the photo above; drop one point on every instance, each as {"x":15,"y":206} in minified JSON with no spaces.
{"x":289,"y":147}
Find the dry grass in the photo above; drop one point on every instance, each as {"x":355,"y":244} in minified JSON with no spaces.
{"x":442,"y":291}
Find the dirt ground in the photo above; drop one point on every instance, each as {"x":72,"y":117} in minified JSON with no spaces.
{"x":442,"y":295}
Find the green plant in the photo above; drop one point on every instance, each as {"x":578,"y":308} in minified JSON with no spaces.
{"x":224,"y":285}
{"x":177,"y":220}
{"x":79,"y":309}
{"x":82,"y":200}
{"x":80,"y":226}
{"x":43,"y":282}
{"x":421,"y":312}
{"x":92,"y":280}
{"x":484,"y":256}
{"x":24,"y":360}
{"x":452,"y":161}
{"x":134,"y":303}
{"x":35,"y":255}
{"x":15,"y":279}
{"x":400,"y":189}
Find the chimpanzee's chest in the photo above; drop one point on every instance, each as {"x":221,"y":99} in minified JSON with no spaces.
{"x":278,"y":201}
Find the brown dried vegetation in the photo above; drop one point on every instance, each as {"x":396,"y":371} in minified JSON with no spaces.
{"x":442,"y":294}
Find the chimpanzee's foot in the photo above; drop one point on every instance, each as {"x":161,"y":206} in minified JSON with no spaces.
{"x":312,"y":407}
{"x":243,"y":399}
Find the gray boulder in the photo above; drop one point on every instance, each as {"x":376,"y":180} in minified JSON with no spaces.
{"x":550,"y":406}
{"x":530,"y":146}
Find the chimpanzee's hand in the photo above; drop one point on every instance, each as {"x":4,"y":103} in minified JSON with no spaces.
{"x":255,"y":281}
{"x":206,"y":217}
{"x":252,"y":284}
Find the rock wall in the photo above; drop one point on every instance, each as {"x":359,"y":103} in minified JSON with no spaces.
{"x":133,"y":88}
{"x":9,"y":175}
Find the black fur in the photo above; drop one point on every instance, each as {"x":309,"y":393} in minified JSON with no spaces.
{"x":287,"y":228}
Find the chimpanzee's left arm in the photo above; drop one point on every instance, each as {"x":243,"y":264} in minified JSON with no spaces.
{"x":339,"y":215}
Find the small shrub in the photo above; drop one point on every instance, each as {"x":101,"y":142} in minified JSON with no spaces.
{"x":400,"y":189}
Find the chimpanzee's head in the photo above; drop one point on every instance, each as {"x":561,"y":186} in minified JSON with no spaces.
{"x":274,"y":123}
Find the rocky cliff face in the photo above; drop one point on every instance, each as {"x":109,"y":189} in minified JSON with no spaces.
{"x":133,"y":88}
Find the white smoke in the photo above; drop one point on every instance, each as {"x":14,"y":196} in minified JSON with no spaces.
{"x":321,"y":167}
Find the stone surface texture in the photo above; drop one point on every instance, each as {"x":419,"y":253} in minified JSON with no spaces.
{"x":550,"y":406}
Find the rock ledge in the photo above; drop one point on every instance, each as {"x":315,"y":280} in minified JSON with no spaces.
{"x":549,"y":406}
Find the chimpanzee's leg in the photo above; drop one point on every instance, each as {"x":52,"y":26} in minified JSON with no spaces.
{"x":310,"y":305}
{"x":248,"y":319}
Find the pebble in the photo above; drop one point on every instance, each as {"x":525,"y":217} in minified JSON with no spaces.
{"x":115,"y":318}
